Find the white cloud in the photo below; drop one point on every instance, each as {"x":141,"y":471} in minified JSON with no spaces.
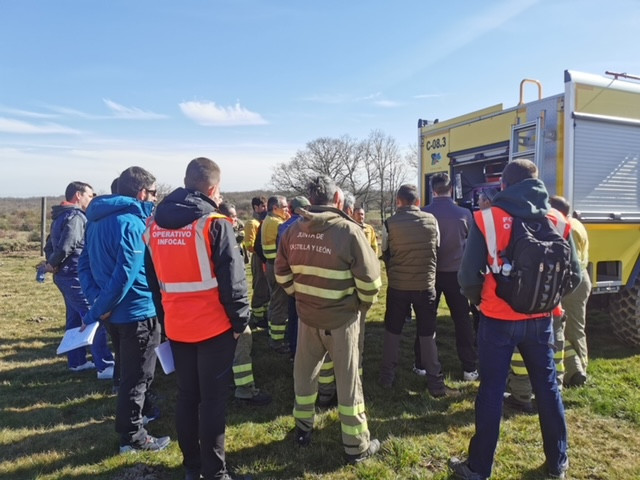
{"x":26,"y":113}
{"x":428,"y":95}
{"x":331,"y":99}
{"x":244,"y":167}
{"x":71,"y":112}
{"x":9,"y":125}
{"x":387,"y":103}
{"x":131,"y":113}
{"x":211,"y":115}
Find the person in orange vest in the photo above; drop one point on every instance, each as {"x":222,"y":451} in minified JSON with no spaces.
{"x":501,"y":329}
{"x":200,"y":273}
{"x":519,"y":397}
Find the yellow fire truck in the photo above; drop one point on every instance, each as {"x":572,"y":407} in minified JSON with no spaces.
{"x":586,"y":144}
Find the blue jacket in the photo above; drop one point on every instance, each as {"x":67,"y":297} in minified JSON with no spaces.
{"x":111,"y":267}
{"x":66,"y":241}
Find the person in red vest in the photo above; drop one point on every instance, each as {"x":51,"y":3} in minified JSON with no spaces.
{"x":501,"y":329}
{"x":200,"y":273}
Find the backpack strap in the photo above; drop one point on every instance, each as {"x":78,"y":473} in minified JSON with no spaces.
{"x":491,"y":238}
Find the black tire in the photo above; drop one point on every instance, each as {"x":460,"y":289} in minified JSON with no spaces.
{"x":624,"y":308}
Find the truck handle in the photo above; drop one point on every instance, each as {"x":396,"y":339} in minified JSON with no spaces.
{"x":529,"y":80}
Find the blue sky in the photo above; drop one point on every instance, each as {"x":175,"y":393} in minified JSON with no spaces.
{"x":89,"y":88}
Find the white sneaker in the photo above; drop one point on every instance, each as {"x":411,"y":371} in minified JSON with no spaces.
{"x":419,"y":371}
{"x":470,"y":376}
{"x":106,"y":374}
{"x":85,"y":366}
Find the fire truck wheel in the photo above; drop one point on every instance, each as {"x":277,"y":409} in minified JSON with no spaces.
{"x":624,"y":308}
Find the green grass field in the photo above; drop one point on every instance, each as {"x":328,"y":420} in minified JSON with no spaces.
{"x":58,"y":425}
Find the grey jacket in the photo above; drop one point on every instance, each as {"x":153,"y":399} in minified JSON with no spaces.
{"x":454,"y":223}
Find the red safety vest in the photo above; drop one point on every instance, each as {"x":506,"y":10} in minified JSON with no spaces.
{"x":495,"y":226}
{"x":183,"y":263}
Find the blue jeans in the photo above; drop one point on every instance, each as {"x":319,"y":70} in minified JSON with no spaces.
{"x":496,"y":341}
{"x":77,"y":307}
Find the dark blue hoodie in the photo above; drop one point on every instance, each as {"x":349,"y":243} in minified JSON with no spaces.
{"x":526,"y":199}
{"x":111,"y":266}
{"x":66,"y":241}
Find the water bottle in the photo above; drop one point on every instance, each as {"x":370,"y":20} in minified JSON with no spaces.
{"x":40,"y":273}
{"x":506,"y":269}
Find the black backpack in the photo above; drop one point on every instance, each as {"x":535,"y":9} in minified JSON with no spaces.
{"x":540,"y":259}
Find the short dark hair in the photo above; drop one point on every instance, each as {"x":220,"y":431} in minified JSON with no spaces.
{"x":201,"y":174}
{"x":519,"y":170}
{"x":561,"y":204}
{"x":75,"y":187}
{"x":408,"y":194}
{"x":441,"y":183}
{"x":114,"y":185}
{"x":134,"y":179}
{"x":257,"y":201}
{"x":321,"y":190}
{"x":274,"y":201}
{"x":226,"y":207}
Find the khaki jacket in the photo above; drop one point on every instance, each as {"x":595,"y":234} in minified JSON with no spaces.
{"x":410,"y":241}
{"x":326,"y":261}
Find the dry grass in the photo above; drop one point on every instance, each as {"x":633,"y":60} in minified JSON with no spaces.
{"x":58,"y":425}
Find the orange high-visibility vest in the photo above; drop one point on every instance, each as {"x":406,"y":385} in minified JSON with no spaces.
{"x":495,"y":225}
{"x":183,"y":263}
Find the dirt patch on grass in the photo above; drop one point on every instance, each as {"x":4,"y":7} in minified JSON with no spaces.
{"x":140,"y":472}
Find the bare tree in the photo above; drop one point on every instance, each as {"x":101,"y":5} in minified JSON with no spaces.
{"x":340,"y":158}
{"x":411,"y":156}
{"x":383,"y":154}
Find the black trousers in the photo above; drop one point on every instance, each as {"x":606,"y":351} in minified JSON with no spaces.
{"x":399,"y":302}
{"x":204,"y":373}
{"x":135,"y":344}
{"x":447,"y":285}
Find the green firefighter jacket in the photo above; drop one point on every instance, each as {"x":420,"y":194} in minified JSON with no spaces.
{"x":326,"y":261}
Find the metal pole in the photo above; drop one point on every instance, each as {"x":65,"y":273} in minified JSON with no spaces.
{"x":43,"y":224}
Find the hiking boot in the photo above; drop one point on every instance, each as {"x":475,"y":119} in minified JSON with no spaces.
{"x":461,"y":470}
{"x":328,"y":402}
{"x":85,"y":366}
{"x":419,"y":371}
{"x":374,"y":447}
{"x":259,"y":399}
{"x":578,"y":379}
{"x":562,"y":473}
{"x":514,"y":404}
{"x":445,"y":391}
{"x":470,"y":376}
{"x":106,"y":374}
{"x":151,"y":444}
{"x":234,"y":476}
{"x":302,"y":438}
